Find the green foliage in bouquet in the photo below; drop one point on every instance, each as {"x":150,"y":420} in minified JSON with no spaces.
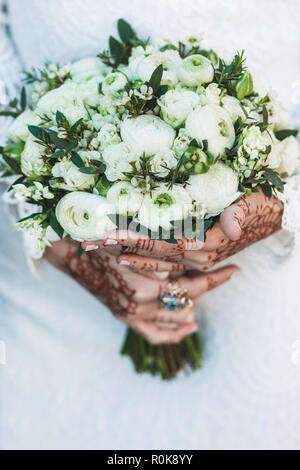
{"x":147,"y":135}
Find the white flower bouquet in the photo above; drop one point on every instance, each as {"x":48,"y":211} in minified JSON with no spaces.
{"x":161,"y":137}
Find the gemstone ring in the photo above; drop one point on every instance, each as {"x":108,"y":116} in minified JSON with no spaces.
{"x":173,"y":297}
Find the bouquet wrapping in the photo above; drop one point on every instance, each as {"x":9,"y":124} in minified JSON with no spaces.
{"x":152,"y":136}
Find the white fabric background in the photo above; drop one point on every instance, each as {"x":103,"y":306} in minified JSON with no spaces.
{"x":64,"y":385}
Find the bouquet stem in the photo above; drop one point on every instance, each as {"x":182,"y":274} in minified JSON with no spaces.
{"x":166,"y":360}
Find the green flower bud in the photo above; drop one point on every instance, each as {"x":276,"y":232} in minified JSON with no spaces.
{"x":244,"y":86}
{"x":200,"y":168}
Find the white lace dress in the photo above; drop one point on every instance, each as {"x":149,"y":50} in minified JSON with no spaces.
{"x":64,"y":384}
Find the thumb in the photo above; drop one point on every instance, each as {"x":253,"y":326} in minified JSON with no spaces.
{"x":233,"y":218}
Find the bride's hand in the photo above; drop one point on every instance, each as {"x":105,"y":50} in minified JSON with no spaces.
{"x":250,"y":220}
{"x":131,"y":297}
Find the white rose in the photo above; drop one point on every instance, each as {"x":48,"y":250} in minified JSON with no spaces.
{"x":163,"y":206}
{"x":147,"y":134}
{"x":211,"y":123}
{"x":18,"y":131}
{"x":176,"y":106}
{"x":162,"y":162}
{"x":195,"y":70}
{"x":84,"y":216}
{"x":32,"y":162}
{"x":170,"y":61}
{"x":118,"y":158}
{"x":73,"y":179}
{"x":66,"y":99}
{"x":285,"y":156}
{"x":125,"y":198}
{"x":214,"y":190}
{"x":233,"y":107}
{"x":87,"y":69}
{"x":114,"y":83}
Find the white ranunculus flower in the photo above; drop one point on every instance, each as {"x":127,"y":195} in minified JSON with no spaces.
{"x":254,"y":142}
{"x":170,"y":61}
{"x":18,"y":131}
{"x":89,"y":92}
{"x":278,"y":115}
{"x":147,"y":134}
{"x":285,"y":156}
{"x":163,"y":205}
{"x":73,"y":179}
{"x":162,"y":162}
{"x":211,"y":123}
{"x":114,"y":83}
{"x":66,"y":99}
{"x":118,"y":158}
{"x":32,"y":162}
{"x":274,"y":158}
{"x":195,"y":70}
{"x":84,"y":216}
{"x":176,"y":106}
{"x":210,"y":94}
{"x":87,"y":69}
{"x":125,"y":197}
{"x":108,"y":135}
{"x":233,"y":107}
{"x":214,"y":190}
{"x":182,"y":142}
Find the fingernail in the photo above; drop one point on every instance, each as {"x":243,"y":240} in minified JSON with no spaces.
{"x":161,"y":274}
{"x":124,"y":262}
{"x":110,"y":242}
{"x":235,"y":273}
{"x":91,"y":248}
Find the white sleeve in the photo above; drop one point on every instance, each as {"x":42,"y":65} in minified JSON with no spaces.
{"x":291,"y":214}
{"x":10,"y":79}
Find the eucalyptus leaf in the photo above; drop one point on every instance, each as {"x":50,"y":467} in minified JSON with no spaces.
{"x":116,"y":48}
{"x":156,"y":77}
{"x":56,"y":225}
{"x":77,"y":160}
{"x":88,"y":171}
{"x":284,"y":133}
{"x":23,"y":99}
{"x":125,"y":31}
{"x":13,"y":164}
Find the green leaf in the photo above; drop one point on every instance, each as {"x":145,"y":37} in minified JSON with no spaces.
{"x":88,"y":170}
{"x":56,"y":225}
{"x":23,"y":99}
{"x":266,"y":189}
{"x":13,"y":164}
{"x":61,"y":143}
{"x":61,"y":119}
{"x":57,"y":154}
{"x":168,"y":47}
{"x":80,"y":251}
{"x":116,"y":48}
{"x":77,"y":160}
{"x":156,"y":77}
{"x":37,"y":132}
{"x":76,"y":125}
{"x":265,"y":115}
{"x":162,"y":90}
{"x":125,"y":31}
{"x":280,"y":135}
{"x":274,"y":178}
